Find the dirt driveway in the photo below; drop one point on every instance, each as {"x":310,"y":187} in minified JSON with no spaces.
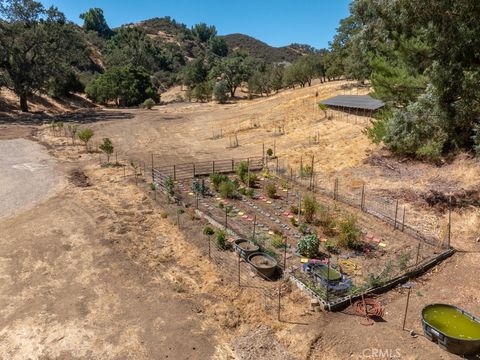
{"x":29,"y":175}
{"x":67,"y":289}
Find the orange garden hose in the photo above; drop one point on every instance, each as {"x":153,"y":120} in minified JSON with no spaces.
{"x":368,"y":308}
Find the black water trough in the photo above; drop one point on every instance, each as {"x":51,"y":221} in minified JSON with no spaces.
{"x":263,"y":263}
{"x":245,"y":248}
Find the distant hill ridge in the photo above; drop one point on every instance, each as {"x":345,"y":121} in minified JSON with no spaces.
{"x":167,"y":30}
{"x":261,"y":50}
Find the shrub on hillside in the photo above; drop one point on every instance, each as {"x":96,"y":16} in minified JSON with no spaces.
{"x":148,"y":104}
{"x":220,"y":91}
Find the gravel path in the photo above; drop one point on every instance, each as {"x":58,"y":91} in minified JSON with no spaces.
{"x":27,"y":175}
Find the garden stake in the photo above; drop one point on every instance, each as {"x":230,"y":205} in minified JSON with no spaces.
{"x":285,"y":254}
{"x":254,"y":223}
{"x":403,"y":220}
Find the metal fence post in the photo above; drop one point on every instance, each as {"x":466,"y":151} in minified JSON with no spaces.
{"x":239,"y":269}
{"x":174,"y":173}
{"x":449,"y":222}
{"x":152,"y":170}
{"x":396,"y":213}
{"x":406,"y":308}
{"x":226,"y":216}
{"x":362,"y":197}
{"x":279,"y":300}
{"x":209,"y":248}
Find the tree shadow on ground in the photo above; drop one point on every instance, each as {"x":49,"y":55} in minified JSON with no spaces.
{"x":84,"y":116}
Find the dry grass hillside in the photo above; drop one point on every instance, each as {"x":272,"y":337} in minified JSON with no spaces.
{"x":182,"y":132}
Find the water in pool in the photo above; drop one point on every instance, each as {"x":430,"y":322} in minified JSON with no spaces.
{"x":452,"y":322}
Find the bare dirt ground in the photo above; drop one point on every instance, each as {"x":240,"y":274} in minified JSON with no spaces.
{"x":29,"y":175}
{"x":89,"y":273}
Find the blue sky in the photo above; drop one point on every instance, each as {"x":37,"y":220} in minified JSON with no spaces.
{"x":276,"y":22}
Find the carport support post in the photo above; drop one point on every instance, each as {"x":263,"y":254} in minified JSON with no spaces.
{"x":406,"y":308}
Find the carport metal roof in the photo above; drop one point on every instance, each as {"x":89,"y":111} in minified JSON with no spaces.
{"x":354,"y":102}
